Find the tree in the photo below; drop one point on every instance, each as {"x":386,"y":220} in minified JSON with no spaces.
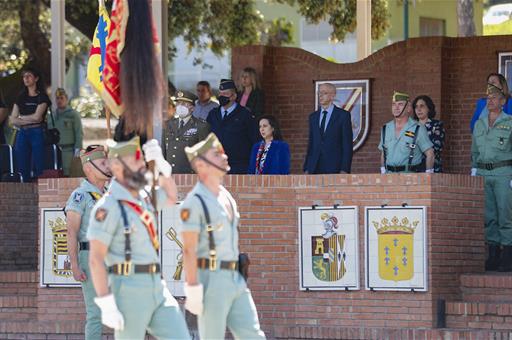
{"x":216,"y":25}
{"x":466,"y":25}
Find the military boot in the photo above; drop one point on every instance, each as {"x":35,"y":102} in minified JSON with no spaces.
{"x":506,"y":260}
{"x":493,"y":260}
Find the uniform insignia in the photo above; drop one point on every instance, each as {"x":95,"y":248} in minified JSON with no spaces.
{"x":78,"y":197}
{"x":190,"y":132}
{"x":409,"y":133}
{"x":100,"y":215}
{"x":185,"y":214}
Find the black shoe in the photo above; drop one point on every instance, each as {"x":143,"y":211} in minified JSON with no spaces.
{"x":493,"y":261}
{"x":506,"y":260}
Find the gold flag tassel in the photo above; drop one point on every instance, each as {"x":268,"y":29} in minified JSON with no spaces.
{"x":179,"y":267}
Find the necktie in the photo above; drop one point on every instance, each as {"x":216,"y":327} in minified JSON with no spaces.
{"x":322,"y":123}
{"x":181,"y":124}
{"x":225,"y":114}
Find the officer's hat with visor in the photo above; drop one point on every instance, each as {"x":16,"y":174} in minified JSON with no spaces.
{"x":92,"y":153}
{"x":400,"y":97}
{"x":200,"y":149}
{"x":131,"y":147}
{"x":184,"y":96}
{"x":226,"y":84}
{"x":491,"y":89}
{"x":60,"y":92}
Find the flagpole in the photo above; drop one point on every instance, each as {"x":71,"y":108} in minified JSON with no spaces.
{"x":107,"y":115}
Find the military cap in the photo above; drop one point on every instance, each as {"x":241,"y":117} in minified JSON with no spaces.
{"x":96,"y":152}
{"x":60,"y":92}
{"x":226,"y":84}
{"x":491,"y":88}
{"x":184,"y":96}
{"x":400,"y":96}
{"x":123,"y":149}
{"x":211,"y":141}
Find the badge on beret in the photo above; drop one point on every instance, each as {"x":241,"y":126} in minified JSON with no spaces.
{"x":100,"y":215}
{"x":78,"y":197}
{"x":184,"y":214}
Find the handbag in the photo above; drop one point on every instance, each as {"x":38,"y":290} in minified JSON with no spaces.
{"x":51,"y":136}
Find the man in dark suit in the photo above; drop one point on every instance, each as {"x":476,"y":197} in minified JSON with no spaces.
{"x":234,"y":126}
{"x":330,"y":136}
{"x":181,"y":131}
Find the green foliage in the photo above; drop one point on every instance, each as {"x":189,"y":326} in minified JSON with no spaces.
{"x":341,"y":15}
{"x":278,"y":32}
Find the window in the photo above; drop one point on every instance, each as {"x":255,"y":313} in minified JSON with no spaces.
{"x":431,"y":27}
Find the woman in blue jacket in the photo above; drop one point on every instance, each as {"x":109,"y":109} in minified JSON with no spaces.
{"x":271,"y":156}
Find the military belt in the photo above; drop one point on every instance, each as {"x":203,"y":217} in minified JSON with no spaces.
{"x":83,"y":245}
{"x":205,"y":264}
{"x":401,"y":168}
{"x":495,"y":165}
{"x":126,"y":268}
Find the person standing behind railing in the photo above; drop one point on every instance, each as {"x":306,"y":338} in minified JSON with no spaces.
{"x":28,"y":116}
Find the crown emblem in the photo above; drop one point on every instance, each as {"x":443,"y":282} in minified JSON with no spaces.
{"x":395,"y":226}
{"x":58,"y":226}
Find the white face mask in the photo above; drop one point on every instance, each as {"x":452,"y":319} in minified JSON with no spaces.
{"x":182,"y":111}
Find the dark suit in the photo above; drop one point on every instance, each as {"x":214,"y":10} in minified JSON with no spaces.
{"x":332,"y":153}
{"x":277,"y":161}
{"x":237,"y":133}
{"x":255,"y":103}
{"x":176,"y":139}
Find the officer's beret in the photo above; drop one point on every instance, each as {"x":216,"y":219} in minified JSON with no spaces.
{"x":400,"y":96}
{"x":97,"y":152}
{"x":211,"y":141}
{"x":123,"y":149}
{"x":184,"y":96}
{"x":226,"y":84}
{"x":494,"y":89}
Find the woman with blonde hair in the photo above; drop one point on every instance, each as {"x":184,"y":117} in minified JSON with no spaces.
{"x":250,"y":94}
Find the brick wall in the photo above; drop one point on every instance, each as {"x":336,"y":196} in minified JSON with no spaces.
{"x":269,"y":233}
{"x":452,"y":71}
{"x":18,"y":226}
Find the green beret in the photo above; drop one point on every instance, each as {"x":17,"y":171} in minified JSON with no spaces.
{"x":211,"y":141}
{"x":96,"y":153}
{"x":184,"y":96}
{"x":494,"y":89}
{"x":123,"y":149}
{"x":400,"y":97}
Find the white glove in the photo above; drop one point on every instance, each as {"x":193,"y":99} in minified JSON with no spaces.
{"x":76,"y":153}
{"x":194,"y":302}
{"x":473,"y":171}
{"x":153,"y":152}
{"x":110,"y":315}
{"x":429,"y":171}
{"x":382,"y":170}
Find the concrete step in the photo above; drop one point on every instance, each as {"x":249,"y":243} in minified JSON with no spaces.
{"x":488,"y":287}
{"x":479,"y":315}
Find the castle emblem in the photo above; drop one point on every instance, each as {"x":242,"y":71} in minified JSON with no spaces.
{"x":328,"y":251}
{"x":396,"y":245}
{"x":61,"y":265}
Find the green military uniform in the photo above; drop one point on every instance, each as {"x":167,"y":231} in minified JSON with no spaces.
{"x":180,"y":133}
{"x":69,"y":124}
{"x":227,"y":301}
{"x":492,"y":156}
{"x":81,"y":201}
{"x":139,"y":290}
{"x":176,"y":139}
{"x":398,"y":149}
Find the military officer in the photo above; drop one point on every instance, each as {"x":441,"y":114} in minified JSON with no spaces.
{"x":181,"y":131}
{"x":235,"y":127}
{"x":491,"y":152}
{"x":123,"y":235}
{"x":216,"y":292}
{"x":78,"y":209}
{"x":69,"y":124}
{"x":404,"y":141}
